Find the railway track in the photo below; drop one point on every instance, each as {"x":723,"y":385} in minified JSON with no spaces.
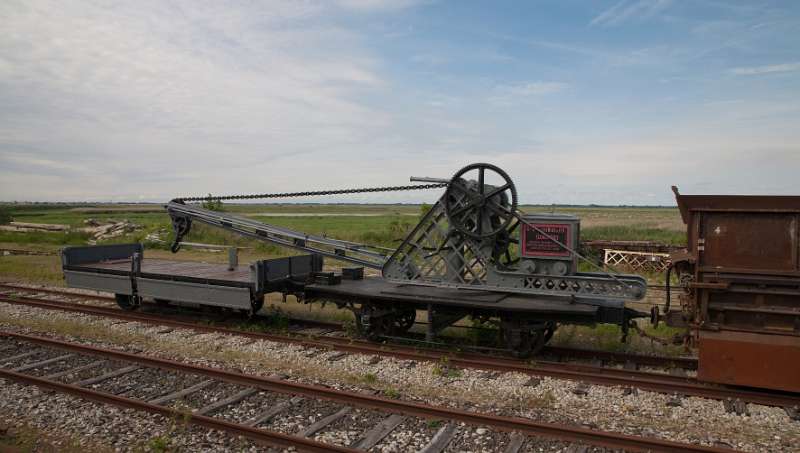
{"x":554,"y":352}
{"x":658,"y":382}
{"x":100,"y":374}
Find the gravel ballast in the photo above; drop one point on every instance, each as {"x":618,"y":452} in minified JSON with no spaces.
{"x":695,"y":420}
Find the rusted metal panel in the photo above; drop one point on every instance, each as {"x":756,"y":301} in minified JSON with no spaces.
{"x":744,"y":270}
{"x":747,"y":240}
{"x":750,"y":359}
{"x":735,"y":203}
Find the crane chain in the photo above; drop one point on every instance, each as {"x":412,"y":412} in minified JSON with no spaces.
{"x":314,"y":193}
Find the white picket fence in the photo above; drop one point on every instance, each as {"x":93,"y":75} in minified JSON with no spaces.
{"x":636,"y":261}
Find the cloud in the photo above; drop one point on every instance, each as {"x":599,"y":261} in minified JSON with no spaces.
{"x":377,"y":5}
{"x":152,"y":100}
{"x":626,"y":11}
{"x":768,"y":69}
{"x":192,"y":90}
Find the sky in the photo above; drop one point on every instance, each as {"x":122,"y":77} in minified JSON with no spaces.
{"x":605,"y":102}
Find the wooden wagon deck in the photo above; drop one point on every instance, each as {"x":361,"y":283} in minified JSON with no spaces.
{"x":111,"y":268}
{"x":175,"y":270}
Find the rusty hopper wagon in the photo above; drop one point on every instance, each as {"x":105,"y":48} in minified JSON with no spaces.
{"x":741,"y":287}
{"x":473,"y":254}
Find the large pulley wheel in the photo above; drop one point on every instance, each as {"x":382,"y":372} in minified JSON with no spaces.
{"x":477,"y":208}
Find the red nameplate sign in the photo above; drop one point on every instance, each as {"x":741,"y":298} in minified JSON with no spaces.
{"x":536,"y":243}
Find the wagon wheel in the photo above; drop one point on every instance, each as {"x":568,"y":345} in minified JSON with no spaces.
{"x":524,"y":339}
{"x":374,"y":330}
{"x":256,"y":304}
{"x":549,"y":331}
{"x":404,"y":320}
{"x":388,"y":324}
{"x":477,"y":209}
{"x":127,"y":302}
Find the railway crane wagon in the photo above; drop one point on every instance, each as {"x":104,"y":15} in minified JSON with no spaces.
{"x":472,"y":254}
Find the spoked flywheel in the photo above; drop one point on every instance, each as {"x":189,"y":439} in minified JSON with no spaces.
{"x":483,"y":206}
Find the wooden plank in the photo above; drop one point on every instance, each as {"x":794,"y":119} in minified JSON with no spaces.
{"x":323,"y":422}
{"x":216,"y":273}
{"x":441,"y":439}
{"x":168,"y":268}
{"x":19,"y":356}
{"x":40,"y":226}
{"x":41,"y":363}
{"x":75,"y":370}
{"x":181,"y":393}
{"x":515,"y":443}
{"x":376,"y":434}
{"x":109,"y":375}
{"x":200,"y":270}
{"x":227,"y":401}
{"x":156,"y":267}
{"x":273,"y":411}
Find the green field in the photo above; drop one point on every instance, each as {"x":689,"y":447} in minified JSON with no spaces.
{"x":382,"y":225}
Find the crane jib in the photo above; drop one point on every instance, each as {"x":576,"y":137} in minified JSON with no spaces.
{"x":361,"y":254}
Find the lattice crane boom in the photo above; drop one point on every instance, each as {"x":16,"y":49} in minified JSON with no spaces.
{"x":362,"y":254}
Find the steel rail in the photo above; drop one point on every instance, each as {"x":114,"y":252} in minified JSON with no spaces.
{"x":525,"y":426}
{"x":260,"y":435}
{"x":590,"y":374}
{"x":467,"y":360}
{"x":688,"y":363}
{"x":57,"y":292}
